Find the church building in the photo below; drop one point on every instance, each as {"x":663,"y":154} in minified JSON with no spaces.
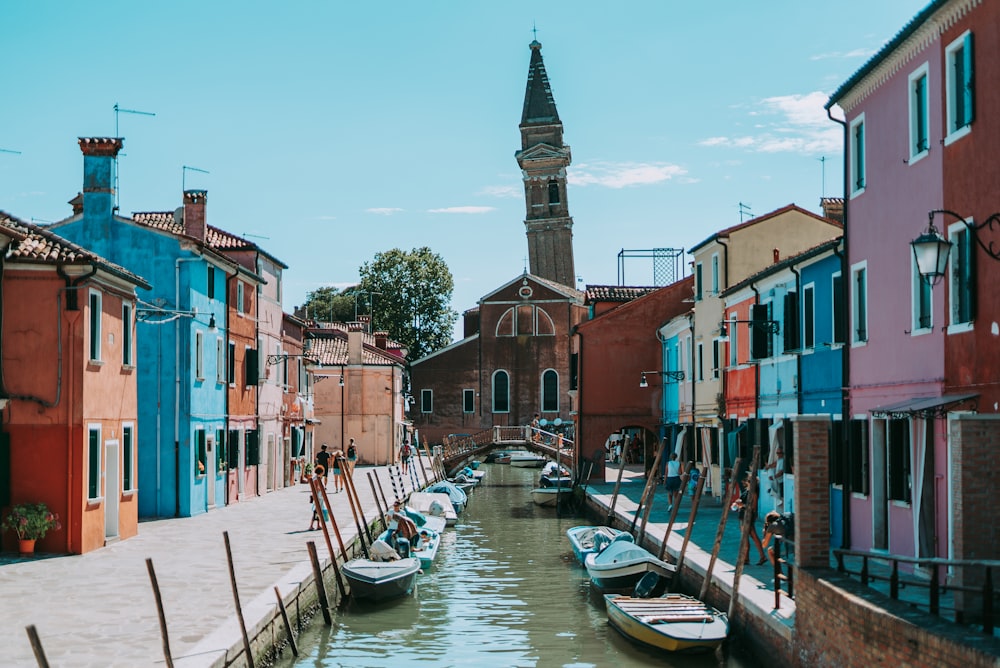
{"x":514,"y":359}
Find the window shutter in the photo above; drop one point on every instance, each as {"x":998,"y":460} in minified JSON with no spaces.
{"x":759,"y":337}
{"x":969,"y":85}
{"x":839,"y":315}
{"x":251,"y":363}
{"x":791,"y":333}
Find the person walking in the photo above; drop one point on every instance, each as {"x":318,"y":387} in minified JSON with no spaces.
{"x":338,"y":462}
{"x":405,"y":454}
{"x":352,"y":457}
{"x":323,"y":459}
{"x":744,"y":506}
{"x":673,"y":483}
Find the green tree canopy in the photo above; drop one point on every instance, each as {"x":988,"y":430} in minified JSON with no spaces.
{"x":328,"y":304}
{"x":411,"y":298}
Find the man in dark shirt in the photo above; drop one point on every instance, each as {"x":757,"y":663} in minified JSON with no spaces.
{"x":323,"y":459}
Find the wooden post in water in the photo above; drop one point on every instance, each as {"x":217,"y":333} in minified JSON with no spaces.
{"x":361,"y":510}
{"x":695,"y":502}
{"x":323,"y":501}
{"x":726,"y":501}
{"x":357,"y":524}
{"x":159,"y":611}
{"x":378,"y":505}
{"x":324,"y":604}
{"x":649,"y":493}
{"x":288,"y":626}
{"x":749,"y":517}
{"x":236,"y":598}
{"x":36,"y":647}
{"x":381,"y":489}
{"x":614,"y":495}
{"x":423,"y":469}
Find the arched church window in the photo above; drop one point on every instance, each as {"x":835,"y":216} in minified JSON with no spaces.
{"x":554,"y":192}
{"x":550,"y":391}
{"x":501,"y":392}
{"x":525,"y":321}
{"x":543,"y":323}
{"x":505,"y":326}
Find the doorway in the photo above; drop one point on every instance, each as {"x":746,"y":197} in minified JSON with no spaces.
{"x":210,"y":471}
{"x":880,"y":499}
{"x":112,"y":491}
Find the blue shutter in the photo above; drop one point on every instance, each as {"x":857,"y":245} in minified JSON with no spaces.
{"x":968,"y":86}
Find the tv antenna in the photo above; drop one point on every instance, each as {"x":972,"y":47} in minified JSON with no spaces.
{"x":119,"y":110}
{"x":255,"y":236}
{"x":822,"y":161}
{"x":7,"y":150}
{"x":184,"y":170}
{"x":745,"y":212}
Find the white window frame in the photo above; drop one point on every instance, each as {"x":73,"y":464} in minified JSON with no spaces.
{"x":493,"y":387}
{"x":917,"y":286}
{"x":426,"y":401}
{"x":541,"y":393}
{"x":734,"y":352}
{"x":95,"y":427}
{"x":715,"y":274}
{"x":856,"y":312}
{"x":95,"y":304}
{"x":128,"y":338}
{"x":922,"y":72}
{"x":199,"y":355}
{"x":699,"y":282}
{"x":855,"y":164}
{"x":220,"y":360}
{"x":129,"y":427}
{"x":959,"y":235}
{"x":953,"y":131}
{"x":240,"y":298}
{"x":809,"y":315}
{"x":700,"y":371}
{"x":465,"y":394}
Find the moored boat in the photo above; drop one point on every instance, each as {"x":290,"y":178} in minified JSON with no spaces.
{"x":527,"y":460}
{"x":423,"y":546}
{"x":675,"y":623}
{"x":459,"y":499}
{"x":587,"y":540}
{"x":383,"y":577}
{"x":621,"y":564}
{"x":550,"y":496}
{"x":434,"y":504}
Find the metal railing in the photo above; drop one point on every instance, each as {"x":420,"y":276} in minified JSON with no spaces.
{"x":550,"y":444}
{"x":933,"y":582}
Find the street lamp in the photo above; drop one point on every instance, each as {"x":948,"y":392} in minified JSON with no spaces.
{"x":675,"y":376}
{"x":930,"y":249}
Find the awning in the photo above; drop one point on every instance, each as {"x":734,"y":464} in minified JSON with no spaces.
{"x":926,"y":407}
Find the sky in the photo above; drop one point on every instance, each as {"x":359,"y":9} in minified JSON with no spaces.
{"x":327,"y":131}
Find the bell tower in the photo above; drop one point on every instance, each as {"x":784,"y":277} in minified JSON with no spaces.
{"x":543,"y":159}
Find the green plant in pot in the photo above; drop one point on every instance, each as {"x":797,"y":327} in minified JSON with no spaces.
{"x":31,"y":521}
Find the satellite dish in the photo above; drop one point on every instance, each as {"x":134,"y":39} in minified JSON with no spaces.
{"x":179,"y":215}
{"x":557,"y":421}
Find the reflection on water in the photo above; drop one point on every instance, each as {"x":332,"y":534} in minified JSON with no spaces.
{"x":505,"y":590}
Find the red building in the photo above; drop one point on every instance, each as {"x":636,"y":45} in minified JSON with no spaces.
{"x":68,"y":388}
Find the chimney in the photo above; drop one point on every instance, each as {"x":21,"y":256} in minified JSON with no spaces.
{"x":355,"y":343}
{"x":777,"y":255}
{"x":77,"y":204}
{"x":833,"y":208}
{"x":194,"y":213}
{"x":99,"y":155}
{"x":366,"y":322}
{"x":381,"y":337}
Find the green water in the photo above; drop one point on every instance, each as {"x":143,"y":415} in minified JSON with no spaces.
{"x":505,"y":590}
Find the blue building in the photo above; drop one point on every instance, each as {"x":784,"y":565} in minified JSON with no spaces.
{"x":181,"y":345}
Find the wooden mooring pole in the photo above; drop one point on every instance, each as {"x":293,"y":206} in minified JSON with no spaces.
{"x":159,"y":611}
{"x":378,"y":482}
{"x":649,"y":493}
{"x":236,"y":598}
{"x":323,"y":503}
{"x":726,"y":501}
{"x":749,"y":517}
{"x":614,"y":495}
{"x":324,"y":604}
{"x":36,"y":646}
{"x":288,"y":626}
{"x":695,"y":502}
{"x":378,"y":504}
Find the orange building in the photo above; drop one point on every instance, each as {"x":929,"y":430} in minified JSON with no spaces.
{"x":68,"y":388}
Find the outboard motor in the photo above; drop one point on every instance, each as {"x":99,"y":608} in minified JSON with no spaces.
{"x":403,"y":547}
{"x":646,"y":585}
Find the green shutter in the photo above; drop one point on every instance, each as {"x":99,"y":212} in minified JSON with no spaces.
{"x":969,"y":85}
{"x":94,"y":462}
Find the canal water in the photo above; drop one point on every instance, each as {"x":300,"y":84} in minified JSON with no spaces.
{"x":505,"y":590}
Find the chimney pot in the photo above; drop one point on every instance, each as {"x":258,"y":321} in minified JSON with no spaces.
{"x":194,"y":213}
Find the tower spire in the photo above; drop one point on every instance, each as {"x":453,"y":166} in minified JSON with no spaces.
{"x":543,"y":159}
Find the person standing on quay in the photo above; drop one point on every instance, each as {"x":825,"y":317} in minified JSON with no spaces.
{"x":338,"y":462}
{"x":352,"y":457}
{"x":323,"y":459}
{"x":673,"y":483}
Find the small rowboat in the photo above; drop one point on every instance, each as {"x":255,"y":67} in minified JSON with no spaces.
{"x":381,"y":580}
{"x":674,"y":623}
{"x":550,"y":496}
{"x":622,"y":564}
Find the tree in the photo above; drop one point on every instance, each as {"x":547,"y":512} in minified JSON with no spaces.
{"x":411,"y":298}
{"x":328,"y":304}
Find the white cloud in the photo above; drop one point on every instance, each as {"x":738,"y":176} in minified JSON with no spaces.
{"x":624,"y":174}
{"x":384,"y":210}
{"x":787,"y":124}
{"x":463,"y":209}
{"x":502,"y":191}
{"x":855,"y":53}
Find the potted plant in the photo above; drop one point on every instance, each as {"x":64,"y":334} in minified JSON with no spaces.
{"x":30,"y":521}
{"x":306,"y":472}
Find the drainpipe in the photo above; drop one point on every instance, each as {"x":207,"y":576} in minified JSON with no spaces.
{"x":845,"y":358}
{"x":723,"y":374}
{"x":756,"y":368}
{"x":579,"y":403}
{"x":798,"y":357}
{"x":177,"y":387}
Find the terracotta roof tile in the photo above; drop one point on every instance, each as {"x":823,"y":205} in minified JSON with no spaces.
{"x":328,"y":345}
{"x":159,"y":220}
{"x":616,"y":293}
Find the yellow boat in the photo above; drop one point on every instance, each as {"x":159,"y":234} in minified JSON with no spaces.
{"x":674,"y":623}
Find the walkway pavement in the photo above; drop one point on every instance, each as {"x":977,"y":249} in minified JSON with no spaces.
{"x":98,"y":609}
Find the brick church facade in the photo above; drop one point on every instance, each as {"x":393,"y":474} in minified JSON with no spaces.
{"x":514,"y":358}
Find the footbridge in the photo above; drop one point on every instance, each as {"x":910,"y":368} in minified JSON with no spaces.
{"x":458,"y":451}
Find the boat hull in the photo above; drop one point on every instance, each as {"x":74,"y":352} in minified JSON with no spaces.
{"x":621,"y":565}
{"x":527,"y":462}
{"x":549,"y":496}
{"x":675,"y":623}
{"x":381,"y":580}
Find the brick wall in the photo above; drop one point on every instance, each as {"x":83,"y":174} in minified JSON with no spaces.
{"x":975,"y":440}
{"x":812,"y":491}
{"x":838,"y":622}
